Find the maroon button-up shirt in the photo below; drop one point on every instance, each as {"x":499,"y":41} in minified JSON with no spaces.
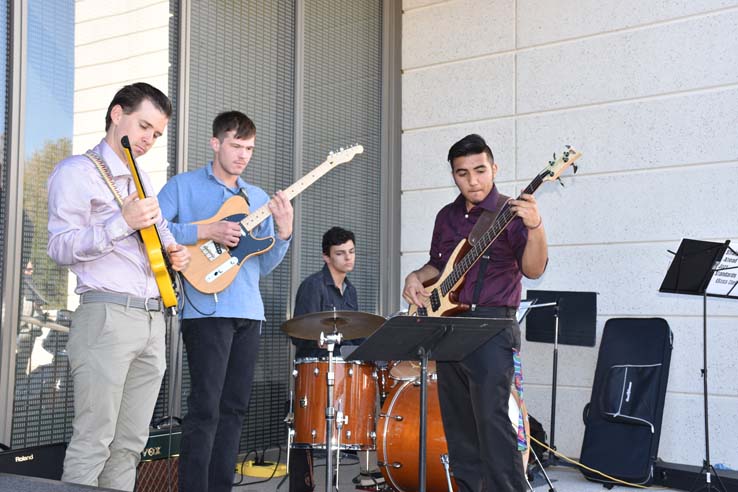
{"x":502,"y":277}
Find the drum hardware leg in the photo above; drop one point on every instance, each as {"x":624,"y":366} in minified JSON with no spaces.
{"x":339,"y":428}
{"x":329,"y":342}
{"x":444,"y":462}
{"x":543,"y":470}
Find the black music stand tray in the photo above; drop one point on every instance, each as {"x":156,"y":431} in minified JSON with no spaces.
{"x":698,"y":269}
{"x":425,"y":338}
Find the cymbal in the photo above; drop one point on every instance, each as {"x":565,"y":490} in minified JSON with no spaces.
{"x":350,"y":324}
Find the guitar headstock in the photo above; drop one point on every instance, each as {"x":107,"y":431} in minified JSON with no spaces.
{"x":342,"y":155}
{"x":558,"y":165}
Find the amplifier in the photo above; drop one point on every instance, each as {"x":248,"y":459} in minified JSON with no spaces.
{"x":157,"y":471}
{"x":45,"y":461}
{"x":687,"y":477}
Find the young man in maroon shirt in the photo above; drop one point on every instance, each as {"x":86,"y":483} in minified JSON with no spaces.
{"x":474,"y":393}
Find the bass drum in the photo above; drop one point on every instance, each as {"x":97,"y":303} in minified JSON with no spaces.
{"x":397,"y":440}
{"x":399,"y":431}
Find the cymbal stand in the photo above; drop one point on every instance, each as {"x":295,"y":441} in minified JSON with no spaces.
{"x":329,"y":342}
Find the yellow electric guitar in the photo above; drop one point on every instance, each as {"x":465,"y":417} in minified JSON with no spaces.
{"x":213,"y":266}
{"x":158,"y":258}
{"x":443,"y":300}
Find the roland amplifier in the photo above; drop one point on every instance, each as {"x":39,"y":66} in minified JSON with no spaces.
{"x":157,"y":471}
{"x":38,"y":461}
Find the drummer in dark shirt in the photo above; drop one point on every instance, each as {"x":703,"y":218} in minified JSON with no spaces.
{"x":326,"y":290}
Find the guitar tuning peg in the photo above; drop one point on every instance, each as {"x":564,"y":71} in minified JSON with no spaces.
{"x":550,"y":163}
{"x":554,"y":156}
{"x":568,"y":147}
{"x":560,"y":182}
{"x":576,"y":168}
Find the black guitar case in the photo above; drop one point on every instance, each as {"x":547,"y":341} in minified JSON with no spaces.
{"x":623,"y":417}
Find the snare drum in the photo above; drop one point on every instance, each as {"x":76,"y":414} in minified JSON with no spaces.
{"x":354,"y":396}
{"x":409,"y":370}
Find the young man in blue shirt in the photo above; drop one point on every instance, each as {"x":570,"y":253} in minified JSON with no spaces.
{"x":221,"y":332}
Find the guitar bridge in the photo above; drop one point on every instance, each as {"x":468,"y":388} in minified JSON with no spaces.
{"x":212,"y":250}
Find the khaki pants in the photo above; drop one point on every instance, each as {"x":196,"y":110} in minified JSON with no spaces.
{"x":117,"y":358}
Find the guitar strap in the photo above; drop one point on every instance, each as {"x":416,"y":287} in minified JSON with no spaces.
{"x":485,"y":221}
{"x":106,"y":175}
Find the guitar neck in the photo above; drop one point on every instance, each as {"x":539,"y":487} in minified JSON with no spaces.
{"x":255,"y":218}
{"x":503,"y":219}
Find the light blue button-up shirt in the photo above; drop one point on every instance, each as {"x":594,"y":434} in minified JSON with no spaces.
{"x":198,"y":195}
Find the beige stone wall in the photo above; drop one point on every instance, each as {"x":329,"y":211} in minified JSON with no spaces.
{"x":649,"y":92}
{"x":117,"y":43}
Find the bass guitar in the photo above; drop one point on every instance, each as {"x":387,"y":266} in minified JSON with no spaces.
{"x":160,"y":266}
{"x":213,"y":266}
{"x":443,"y":300}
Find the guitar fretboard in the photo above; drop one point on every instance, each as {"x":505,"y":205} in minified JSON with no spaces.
{"x":255,"y":218}
{"x":504,"y":218}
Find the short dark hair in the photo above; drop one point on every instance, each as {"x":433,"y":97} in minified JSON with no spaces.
{"x":233,"y":120}
{"x":335,"y":236}
{"x":130,"y":97}
{"x":469,"y":145}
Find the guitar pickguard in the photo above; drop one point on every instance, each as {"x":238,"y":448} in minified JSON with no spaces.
{"x":248,"y":246}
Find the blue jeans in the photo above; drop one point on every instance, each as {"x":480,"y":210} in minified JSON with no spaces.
{"x":221,"y":355}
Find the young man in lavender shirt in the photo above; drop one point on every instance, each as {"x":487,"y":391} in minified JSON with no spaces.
{"x":116,"y":342}
{"x":474,"y":392}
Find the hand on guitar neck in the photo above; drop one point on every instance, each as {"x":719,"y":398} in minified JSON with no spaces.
{"x":140,"y":213}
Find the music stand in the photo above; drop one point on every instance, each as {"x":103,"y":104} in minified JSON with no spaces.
{"x":698,"y":268}
{"x":445,"y":339}
{"x":577,"y":311}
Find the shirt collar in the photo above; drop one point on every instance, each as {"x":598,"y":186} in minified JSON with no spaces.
{"x":328,"y":278}
{"x":209,"y":170}
{"x":117,"y":167}
{"x":489,"y":203}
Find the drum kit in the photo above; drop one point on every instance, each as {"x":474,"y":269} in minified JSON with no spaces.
{"x":368,"y":405}
{"x":363,"y":406}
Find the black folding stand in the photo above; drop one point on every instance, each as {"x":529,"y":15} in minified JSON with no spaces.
{"x":698,"y":269}
{"x":424,"y":338}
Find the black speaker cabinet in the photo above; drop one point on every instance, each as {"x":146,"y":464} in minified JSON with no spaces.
{"x":38,"y":461}
{"x":157,"y":471}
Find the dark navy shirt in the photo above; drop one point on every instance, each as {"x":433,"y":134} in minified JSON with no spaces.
{"x":502,"y":277}
{"x":318,"y":293}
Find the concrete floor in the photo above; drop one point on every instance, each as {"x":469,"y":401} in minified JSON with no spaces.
{"x":564,"y":479}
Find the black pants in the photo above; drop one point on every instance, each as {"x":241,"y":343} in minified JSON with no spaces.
{"x":221,"y":355}
{"x":474,"y":396}
{"x":301,"y":470}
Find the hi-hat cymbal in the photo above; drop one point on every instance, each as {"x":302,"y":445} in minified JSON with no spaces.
{"x":350,"y":324}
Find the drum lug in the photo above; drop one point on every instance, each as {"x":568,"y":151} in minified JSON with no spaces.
{"x":303,"y":402}
{"x":294,"y":373}
{"x":398,"y":418}
{"x":396,"y":465}
{"x":348,"y":434}
{"x":316,"y":371}
{"x":313,"y":434}
{"x":375,"y":376}
{"x":351,"y":371}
